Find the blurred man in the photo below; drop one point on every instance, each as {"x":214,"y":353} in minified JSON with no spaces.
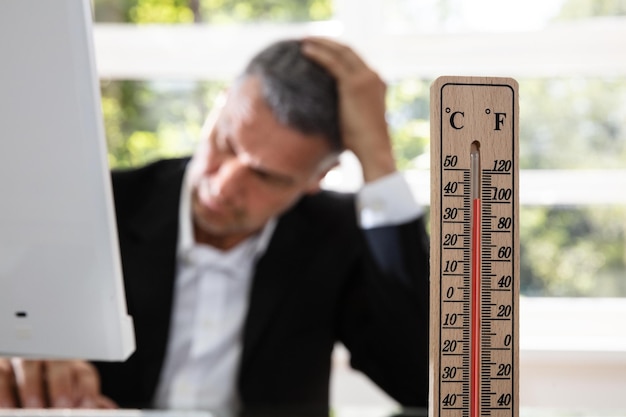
{"x":241,"y":274}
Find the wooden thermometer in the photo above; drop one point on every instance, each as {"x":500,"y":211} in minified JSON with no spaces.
{"x":474,"y":356}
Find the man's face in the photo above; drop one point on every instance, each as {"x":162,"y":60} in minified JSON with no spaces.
{"x":249,"y":168}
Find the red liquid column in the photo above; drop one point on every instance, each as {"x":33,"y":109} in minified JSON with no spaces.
{"x":476,"y":284}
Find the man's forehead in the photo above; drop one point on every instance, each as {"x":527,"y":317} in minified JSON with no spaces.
{"x":243,"y":97}
{"x":262,"y":139}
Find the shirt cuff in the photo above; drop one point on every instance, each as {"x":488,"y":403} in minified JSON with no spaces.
{"x":387,"y":201}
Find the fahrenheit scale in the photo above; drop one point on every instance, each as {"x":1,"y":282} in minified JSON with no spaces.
{"x":474,"y":357}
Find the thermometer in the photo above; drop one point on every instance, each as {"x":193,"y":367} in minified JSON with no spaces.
{"x":474,"y":356}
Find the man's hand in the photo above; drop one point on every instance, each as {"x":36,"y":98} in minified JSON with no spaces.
{"x":56,"y":384}
{"x":361,"y":105}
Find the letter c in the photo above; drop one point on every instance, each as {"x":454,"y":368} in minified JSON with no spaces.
{"x":452,"y":120}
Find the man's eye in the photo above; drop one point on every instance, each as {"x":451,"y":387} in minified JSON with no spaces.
{"x":269,"y":178}
{"x":262,"y":175}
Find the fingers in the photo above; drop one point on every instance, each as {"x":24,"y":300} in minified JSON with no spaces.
{"x":100,"y":402}
{"x":340,"y":60}
{"x":75,"y":384}
{"x":29,"y":380}
{"x":362,"y":94}
{"x":57,"y":384}
{"x":87,"y":383}
{"x":60,"y":381}
{"x":7,"y":385}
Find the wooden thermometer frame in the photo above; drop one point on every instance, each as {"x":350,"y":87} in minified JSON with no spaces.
{"x":474,"y":258}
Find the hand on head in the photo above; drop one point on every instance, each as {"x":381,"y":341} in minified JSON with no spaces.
{"x":55,"y":384}
{"x":361,"y":105}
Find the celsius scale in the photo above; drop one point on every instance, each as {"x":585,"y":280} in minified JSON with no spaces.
{"x":474,"y":356}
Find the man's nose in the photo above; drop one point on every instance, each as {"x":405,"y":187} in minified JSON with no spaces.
{"x":228,"y":180}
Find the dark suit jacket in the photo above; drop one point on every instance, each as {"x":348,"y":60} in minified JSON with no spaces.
{"x":321,"y":280}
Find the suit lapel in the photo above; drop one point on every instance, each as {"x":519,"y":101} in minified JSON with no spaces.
{"x":150,"y":265}
{"x":275,"y":274}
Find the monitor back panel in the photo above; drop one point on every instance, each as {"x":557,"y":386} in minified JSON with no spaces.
{"x":61,"y":289}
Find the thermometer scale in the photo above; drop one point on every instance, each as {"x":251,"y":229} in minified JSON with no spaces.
{"x":474,"y":357}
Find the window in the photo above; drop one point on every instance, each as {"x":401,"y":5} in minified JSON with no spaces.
{"x":159,"y":79}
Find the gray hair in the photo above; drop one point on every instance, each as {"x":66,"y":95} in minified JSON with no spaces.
{"x":300,"y":93}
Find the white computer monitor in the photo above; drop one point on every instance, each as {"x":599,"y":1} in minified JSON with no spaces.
{"x":61,"y":288}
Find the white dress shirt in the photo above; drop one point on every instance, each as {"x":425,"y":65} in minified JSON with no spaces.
{"x":211,"y":295}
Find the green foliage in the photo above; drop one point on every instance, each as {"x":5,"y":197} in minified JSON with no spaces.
{"x":230,"y":11}
{"x":573,"y":123}
{"x":576,"y":9}
{"x":408,"y":117}
{"x":211,"y":11}
{"x":573,"y":252}
{"x":150,"y":120}
{"x":161,"y":11}
{"x":113,"y":10}
{"x":576,"y":123}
